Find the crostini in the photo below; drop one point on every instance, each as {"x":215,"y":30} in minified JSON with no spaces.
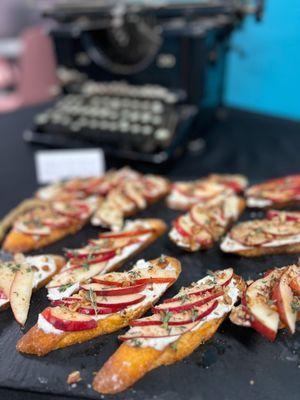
{"x":279,"y":233}
{"x":271,"y":302}
{"x":104,"y":304}
{"x":201,"y":227}
{"x":106,"y":253}
{"x":129,"y":197}
{"x":205,"y":192}
{"x":80,"y":188}
{"x":48,"y":223}
{"x":22,"y":276}
{"x":276,"y":193}
{"x":176,"y":328}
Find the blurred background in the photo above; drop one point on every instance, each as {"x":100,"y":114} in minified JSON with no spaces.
{"x":143,"y":79}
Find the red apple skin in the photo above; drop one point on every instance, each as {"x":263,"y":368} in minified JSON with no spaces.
{"x":65,"y":301}
{"x":295,"y":285}
{"x":141,"y":281}
{"x":137,"y":232}
{"x":104,"y":257}
{"x":2,"y":295}
{"x":154,"y":280}
{"x":92,"y":311}
{"x":184,"y":307}
{"x":180,"y":230}
{"x":262,"y":329}
{"x":118,"y":306}
{"x":68,"y":325}
{"x":282,"y":295}
{"x":196,"y":293}
{"x":120,"y":291}
{"x":177,"y":323}
{"x":107,"y":283}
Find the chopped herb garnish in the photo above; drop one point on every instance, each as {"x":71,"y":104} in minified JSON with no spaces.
{"x":137,"y":342}
{"x":162,"y":259}
{"x":92,"y":298}
{"x":173,"y":346}
{"x":194,"y":314}
{"x":184,"y":298}
{"x":165,"y":318}
{"x":64,"y":287}
{"x":295,"y":304}
{"x":85,"y":265}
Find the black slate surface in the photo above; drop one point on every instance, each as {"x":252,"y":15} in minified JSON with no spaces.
{"x":237,"y":363}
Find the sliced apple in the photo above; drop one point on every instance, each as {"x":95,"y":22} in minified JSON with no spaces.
{"x":101,"y":290}
{"x":59,"y":221}
{"x":32,"y":227}
{"x":295,"y":285}
{"x":79,"y":262}
{"x":184,"y":226}
{"x":95,"y":311}
{"x":223,"y":277}
{"x":199,"y":216}
{"x":156,"y":331}
{"x":71,"y":276}
{"x":7,"y":275}
{"x":66,"y":301}
{"x":285,"y":228}
{"x":251,"y":233}
{"x":283,"y":296}
{"x":265,"y":318}
{"x":189,"y":303}
{"x":184,"y":318}
{"x":73,"y":209}
{"x":20,"y":292}
{"x":134,"y":192}
{"x":116,"y":302}
{"x":125,"y":234}
{"x":68,"y":321}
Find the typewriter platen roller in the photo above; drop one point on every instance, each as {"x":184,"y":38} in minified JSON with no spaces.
{"x":154,"y":75}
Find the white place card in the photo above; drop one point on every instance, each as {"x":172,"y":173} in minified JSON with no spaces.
{"x":54,"y":165}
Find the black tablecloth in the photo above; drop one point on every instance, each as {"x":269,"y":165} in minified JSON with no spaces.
{"x":257,"y":146}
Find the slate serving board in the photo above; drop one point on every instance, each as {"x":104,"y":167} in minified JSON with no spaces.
{"x":236,"y":364}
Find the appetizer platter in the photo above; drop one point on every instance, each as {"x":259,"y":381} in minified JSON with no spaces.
{"x":181,"y":333}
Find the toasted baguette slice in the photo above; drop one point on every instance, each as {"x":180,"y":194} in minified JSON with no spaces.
{"x":201,"y":228}
{"x":275,"y":193}
{"x":205,"y":192}
{"x":128,"y":199}
{"x":47,"y":265}
{"x":39,"y":342}
{"x":279,"y":234}
{"x":65,"y":283}
{"x":137,"y":356}
{"x":271,"y":302}
{"x":29,"y":239}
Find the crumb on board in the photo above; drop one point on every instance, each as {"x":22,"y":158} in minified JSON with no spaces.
{"x":74,"y":377}
{"x":252,"y":382}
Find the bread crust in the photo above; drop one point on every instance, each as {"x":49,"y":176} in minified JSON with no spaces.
{"x":18,"y":242}
{"x":129,"y":364}
{"x":263,"y":251}
{"x":39,"y":343}
{"x":59,"y":262}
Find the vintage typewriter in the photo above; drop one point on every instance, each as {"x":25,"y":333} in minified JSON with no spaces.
{"x":151,"y":75}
